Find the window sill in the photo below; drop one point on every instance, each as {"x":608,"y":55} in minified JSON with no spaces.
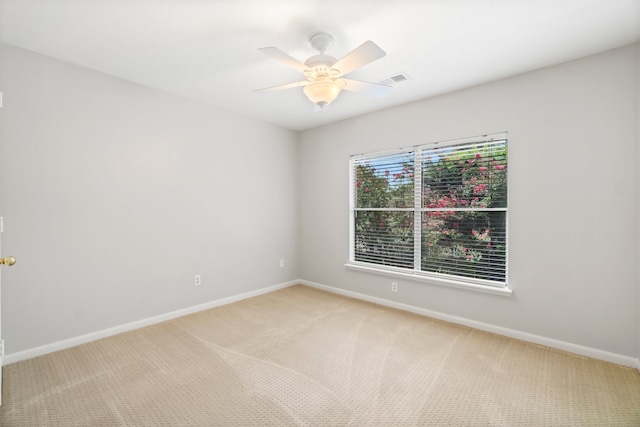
{"x":504,"y":291}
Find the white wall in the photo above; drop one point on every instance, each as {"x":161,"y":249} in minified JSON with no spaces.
{"x":115,"y":195}
{"x":573,"y":246}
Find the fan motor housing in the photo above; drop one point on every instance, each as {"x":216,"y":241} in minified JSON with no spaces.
{"x":320,"y":60}
{"x":320,"y":65}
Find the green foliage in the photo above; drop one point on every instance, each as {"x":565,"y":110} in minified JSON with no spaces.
{"x":384,"y":237}
{"x":384,"y":188}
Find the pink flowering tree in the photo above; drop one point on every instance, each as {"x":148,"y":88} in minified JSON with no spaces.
{"x":463,"y":224}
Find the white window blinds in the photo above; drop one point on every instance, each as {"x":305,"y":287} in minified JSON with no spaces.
{"x":434,"y":210}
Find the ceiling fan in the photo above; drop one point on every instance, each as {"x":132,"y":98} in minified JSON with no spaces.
{"x":324,"y":73}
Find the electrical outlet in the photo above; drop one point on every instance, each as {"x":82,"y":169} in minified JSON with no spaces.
{"x":394,"y":287}
{"x":197,"y":281}
{"x":282,"y":262}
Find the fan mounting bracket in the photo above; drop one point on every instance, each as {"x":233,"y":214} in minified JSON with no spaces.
{"x":321,"y":42}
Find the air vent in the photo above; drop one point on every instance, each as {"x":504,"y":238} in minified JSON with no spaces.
{"x":394,"y":79}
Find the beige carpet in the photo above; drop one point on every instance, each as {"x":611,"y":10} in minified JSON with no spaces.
{"x":300,"y":356}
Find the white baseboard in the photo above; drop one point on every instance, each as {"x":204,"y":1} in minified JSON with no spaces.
{"x":512,"y":333}
{"x":524,"y":336}
{"x":72,"y":342}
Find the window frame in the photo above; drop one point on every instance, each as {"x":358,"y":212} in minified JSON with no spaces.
{"x":416,"y":273}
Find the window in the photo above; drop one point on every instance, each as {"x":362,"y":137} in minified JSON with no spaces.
{"x":435,"y":211}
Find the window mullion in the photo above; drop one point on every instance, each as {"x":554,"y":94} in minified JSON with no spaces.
{"x":417,"y":212}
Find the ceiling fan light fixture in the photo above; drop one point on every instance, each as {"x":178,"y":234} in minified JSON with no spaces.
{"x":322,"y":92}
{"x":324,"y":73}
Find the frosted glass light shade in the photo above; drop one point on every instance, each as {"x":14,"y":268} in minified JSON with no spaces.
{"x":322,"y":92}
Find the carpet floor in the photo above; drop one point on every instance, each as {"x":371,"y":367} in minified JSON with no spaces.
{"x":303,"y":357}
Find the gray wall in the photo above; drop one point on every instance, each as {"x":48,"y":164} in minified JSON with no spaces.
{"x":115,"y":195}
{"x":573,"y":248}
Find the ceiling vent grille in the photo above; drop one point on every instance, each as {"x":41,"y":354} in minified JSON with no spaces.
{"x":394,"y":79}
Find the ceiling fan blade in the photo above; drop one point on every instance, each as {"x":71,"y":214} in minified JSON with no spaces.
{"x":376,"y":90}
{"x":276,"y":53}
{"x":282,"y":87}
{"x":364,"y":54}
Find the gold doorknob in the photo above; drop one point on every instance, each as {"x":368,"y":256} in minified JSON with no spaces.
{"x":8,"y":261}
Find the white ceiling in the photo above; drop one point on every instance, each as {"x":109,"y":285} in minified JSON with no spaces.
{"x":207,"y":50}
